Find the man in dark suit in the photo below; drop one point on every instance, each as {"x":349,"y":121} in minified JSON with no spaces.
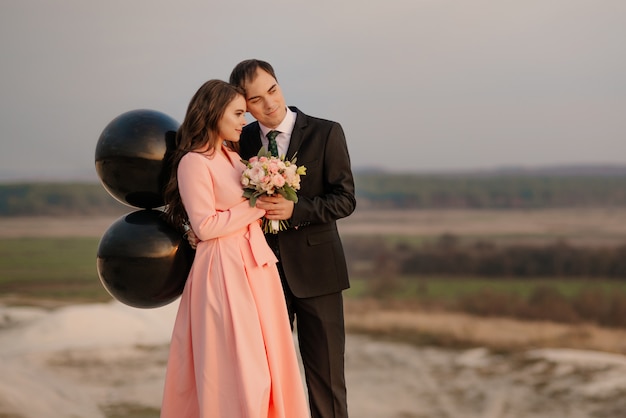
{"x":312,"y":264}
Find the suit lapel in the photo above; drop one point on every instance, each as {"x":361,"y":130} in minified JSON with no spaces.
{"x":297,"y":135}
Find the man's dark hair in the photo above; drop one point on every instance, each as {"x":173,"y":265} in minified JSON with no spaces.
{"x":245,"y":72}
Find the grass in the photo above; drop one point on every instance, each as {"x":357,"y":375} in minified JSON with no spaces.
{"x":61,"y":268}
{"x":508,"y":297}
{"x":448,"y":289}
{"x":126,"y":410}
{"x":599,"y":301}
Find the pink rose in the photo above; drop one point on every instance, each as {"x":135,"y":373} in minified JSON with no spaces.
{"x":278,"y":180}
{"x":273,"y":167}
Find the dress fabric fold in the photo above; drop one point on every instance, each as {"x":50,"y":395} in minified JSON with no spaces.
{"x":232,"y":352}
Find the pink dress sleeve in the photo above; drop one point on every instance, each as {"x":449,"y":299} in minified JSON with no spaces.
{"x":200,"y":196}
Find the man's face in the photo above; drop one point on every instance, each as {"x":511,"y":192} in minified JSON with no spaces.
{"x":265,"y":100}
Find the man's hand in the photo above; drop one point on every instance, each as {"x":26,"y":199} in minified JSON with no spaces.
{"x":276,"y":207}
{"x":192,"y":238}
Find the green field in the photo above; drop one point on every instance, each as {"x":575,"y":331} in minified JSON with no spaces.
{"x":445,"y":289}
{"x":50,"y":268}
{"x":64,"y":270}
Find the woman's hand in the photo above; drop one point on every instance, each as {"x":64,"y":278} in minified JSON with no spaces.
{"x":191,"y":238}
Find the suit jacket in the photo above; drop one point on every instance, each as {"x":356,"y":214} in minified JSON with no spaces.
{"x":311,"y":252}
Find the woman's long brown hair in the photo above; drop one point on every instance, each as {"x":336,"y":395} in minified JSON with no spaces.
{"x":198,"y":133}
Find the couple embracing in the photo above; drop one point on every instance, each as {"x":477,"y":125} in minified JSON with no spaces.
{"x":232,"y":352}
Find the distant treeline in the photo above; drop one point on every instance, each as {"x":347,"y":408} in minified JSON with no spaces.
{"x":450,"y":256}
{"x":374,"y":191}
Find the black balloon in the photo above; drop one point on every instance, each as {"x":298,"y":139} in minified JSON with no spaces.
{"x":130,"y":157}
{"x":142,"y":261}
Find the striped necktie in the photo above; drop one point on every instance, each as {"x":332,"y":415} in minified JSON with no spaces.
{"x":273,"y":147}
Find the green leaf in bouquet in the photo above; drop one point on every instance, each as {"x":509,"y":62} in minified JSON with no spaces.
{"x":289,"y":193}
{"x":264,"y":152}
{"x":252,"y":195}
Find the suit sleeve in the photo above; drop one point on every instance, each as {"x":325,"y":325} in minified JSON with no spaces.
{"x":197,"y":191}
{"x":333,"y":197}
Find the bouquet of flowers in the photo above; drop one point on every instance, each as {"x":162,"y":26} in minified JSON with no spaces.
{"x":268,"y":175}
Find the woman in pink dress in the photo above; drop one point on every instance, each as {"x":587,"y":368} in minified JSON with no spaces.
{"x":232,"y":353}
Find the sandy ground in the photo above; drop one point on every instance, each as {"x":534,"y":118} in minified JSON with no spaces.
{"x":107,"y":360}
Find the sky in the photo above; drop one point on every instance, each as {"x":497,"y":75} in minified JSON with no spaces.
{"x":417,"y":85}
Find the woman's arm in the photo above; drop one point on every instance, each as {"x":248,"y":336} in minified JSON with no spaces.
{"x":197,"y":191}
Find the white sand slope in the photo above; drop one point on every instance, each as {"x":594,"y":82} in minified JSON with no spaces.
{"x":81,"y":361}
{"x":48,"y":359}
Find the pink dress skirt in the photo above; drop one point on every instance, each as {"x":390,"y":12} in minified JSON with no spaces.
{"x":232,"y":353}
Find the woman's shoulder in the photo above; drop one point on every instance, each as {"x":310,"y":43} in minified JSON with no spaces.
{"x":195,"y":157}
{"x":232,"y":153}
{"x":193,"y":161}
